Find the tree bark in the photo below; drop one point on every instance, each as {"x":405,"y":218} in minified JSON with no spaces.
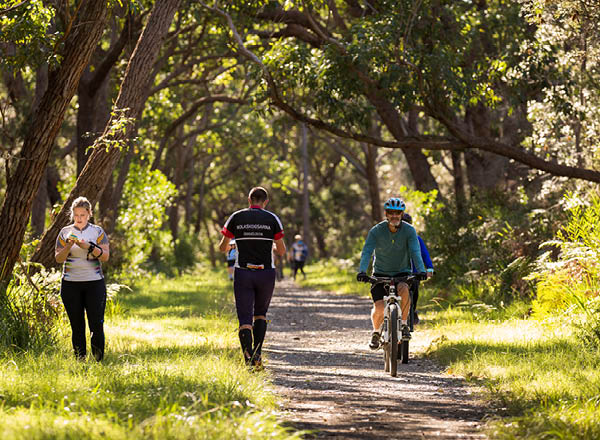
{"x":40,"y":202}
{"x":94,"y":109}
{"x":459,"y":184}
{"x":38,"y":208}
{"x":484,"y":170}
{"x":129,"y":104}
{"x":79,"y":45}
{"x":306,"y":229}
{"x":373,"y":182}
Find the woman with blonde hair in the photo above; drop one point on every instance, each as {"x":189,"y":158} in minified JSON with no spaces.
{"x":81,"y":247}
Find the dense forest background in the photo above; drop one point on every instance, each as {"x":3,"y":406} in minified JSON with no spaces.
{"x":483,"y":115}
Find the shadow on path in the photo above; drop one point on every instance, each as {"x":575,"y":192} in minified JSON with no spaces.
{"x":335,"y":387}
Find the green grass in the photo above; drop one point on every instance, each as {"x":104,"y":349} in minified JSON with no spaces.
{"x":173,"y":370}
{"x":327,"y":275}
{"x":543,"y":382}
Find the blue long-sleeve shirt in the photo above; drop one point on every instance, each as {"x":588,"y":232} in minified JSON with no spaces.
{"x":424,"y":255}
{"x":393,"y":251}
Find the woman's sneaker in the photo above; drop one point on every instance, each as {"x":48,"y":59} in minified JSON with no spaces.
{"x":375,"y":341}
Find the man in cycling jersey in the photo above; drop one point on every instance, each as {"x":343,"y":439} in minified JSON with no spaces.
{"x":394,"y":244}
{"x":254,"y":230}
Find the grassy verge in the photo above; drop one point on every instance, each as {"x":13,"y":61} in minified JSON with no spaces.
{"x":542,"y":380}
{"x":539,"y":378}
{"x":327,"y":275}
{"x":172,"y":371}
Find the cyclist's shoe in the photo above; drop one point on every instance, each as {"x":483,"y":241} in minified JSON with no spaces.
{"x":405,"y":332}
{"x":417,"y":320}
{"x":375,"y":341}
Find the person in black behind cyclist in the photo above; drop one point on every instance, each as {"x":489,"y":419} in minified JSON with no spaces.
{"x":394,"y":244}
{"x":428,"y":264}
{"x":254,"y":230}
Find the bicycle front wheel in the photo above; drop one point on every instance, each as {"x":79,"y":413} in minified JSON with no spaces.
{"x":393,"y":340}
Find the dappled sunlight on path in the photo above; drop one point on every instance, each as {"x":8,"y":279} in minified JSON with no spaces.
{"x":335,"y":386}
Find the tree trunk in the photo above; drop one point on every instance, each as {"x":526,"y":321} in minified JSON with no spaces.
{"x":129,"y":104}
{"x":211,"y":247}
{"x":38,"y":208}
{"x":484,"y":170}
{"x":79,"y":45}
{"x":373,"y":182}
{"x":459,"y":183}
{"x":420,"y":169}
{"x":306,"y":230}
{"x":189,"y":192}
{"x":178,"y":171}
{"x":111,"y":212}
{"x":93,"y":91}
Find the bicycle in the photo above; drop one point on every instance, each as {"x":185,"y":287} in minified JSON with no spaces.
{"x":391,"y":338}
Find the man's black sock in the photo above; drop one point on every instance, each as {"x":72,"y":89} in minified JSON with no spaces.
{"x":246,"y":342}
{"x":259,"y":330}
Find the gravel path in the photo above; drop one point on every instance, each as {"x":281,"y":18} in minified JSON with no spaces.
{"x":335,"y":387}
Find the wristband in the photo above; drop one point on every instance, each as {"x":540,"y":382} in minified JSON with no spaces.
{"x":91,"y":249}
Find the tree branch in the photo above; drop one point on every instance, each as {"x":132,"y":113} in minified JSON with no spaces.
{"x":462,"y":138}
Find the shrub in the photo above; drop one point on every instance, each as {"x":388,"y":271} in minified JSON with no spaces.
{"x":29,"y":309}
{"x":494,"y":243}
{"x":571,"y":281}
{"x":146,"y":196}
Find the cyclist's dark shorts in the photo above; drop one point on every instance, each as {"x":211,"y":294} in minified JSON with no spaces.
{"x":378,"y":290}
{"x":230,"y":263}
{"x":253,"y":290}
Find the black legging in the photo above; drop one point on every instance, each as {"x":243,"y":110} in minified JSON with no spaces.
{"x":80,"y":298}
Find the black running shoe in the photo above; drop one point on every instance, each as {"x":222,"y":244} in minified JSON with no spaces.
{"x":375,"y":341}
{"x":405,"y":332}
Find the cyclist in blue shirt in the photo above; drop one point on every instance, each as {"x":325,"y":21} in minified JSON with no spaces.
{"x":428,"y":264}
{"x":394,"y":244}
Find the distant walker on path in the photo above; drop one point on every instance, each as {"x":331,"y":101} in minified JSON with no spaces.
{"x":298,"y":255}
{"x":254,"y":230}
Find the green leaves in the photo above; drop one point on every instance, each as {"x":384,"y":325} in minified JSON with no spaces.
{"x":24,"y":34}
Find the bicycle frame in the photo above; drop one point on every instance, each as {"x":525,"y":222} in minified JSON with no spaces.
{"x":391,"y":334}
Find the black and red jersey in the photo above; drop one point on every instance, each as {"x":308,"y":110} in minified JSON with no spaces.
{"x":254,"y":230}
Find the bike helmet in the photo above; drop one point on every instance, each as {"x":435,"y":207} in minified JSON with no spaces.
{"x":394,"y":204}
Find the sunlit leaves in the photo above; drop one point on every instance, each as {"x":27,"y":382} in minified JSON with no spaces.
{"x":24,"y":33}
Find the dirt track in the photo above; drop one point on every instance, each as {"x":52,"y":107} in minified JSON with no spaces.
{"x":335,"y":387}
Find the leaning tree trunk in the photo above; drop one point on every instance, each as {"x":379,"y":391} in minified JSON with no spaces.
{"x":79,"y":45}
{"x":129,"y":104}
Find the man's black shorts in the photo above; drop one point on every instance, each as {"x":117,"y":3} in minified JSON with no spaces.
{"x":378,"y":291}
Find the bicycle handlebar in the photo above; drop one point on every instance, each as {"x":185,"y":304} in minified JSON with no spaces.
{"x":401,"y":279}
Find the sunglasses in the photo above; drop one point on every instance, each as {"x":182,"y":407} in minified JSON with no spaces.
{"x":399,"y":213}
